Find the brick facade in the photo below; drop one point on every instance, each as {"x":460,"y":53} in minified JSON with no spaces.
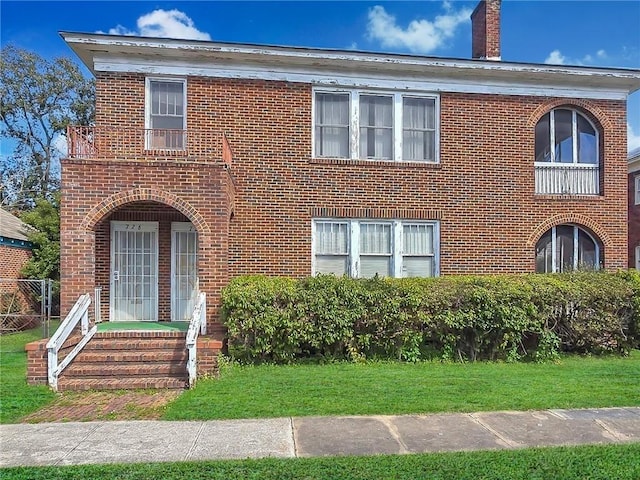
{"x":255,"y":217}
{"x":12,"y":260}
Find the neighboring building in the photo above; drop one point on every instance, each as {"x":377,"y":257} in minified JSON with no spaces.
{"x":634,"y":209}
{"x":15,"y":248}
{"x":212,"y":160}
{"x":15,"y":251}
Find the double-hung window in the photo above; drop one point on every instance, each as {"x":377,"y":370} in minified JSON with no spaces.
{"x":166,"y":114}
{"x":375,"y":125}
{"x":637,"y":180}
{"x":365,"y":248}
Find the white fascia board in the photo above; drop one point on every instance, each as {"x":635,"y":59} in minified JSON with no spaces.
{"x":345,"y":79}
{"x":90,"y":47}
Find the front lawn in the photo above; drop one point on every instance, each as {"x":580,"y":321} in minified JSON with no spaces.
{"x":16,"y":397}
{"x":604,"y":462}
{"x":387,"y":388}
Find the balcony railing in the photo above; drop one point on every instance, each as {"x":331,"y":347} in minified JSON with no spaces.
{"x":121,"y":143}
{"x":567,"y":179}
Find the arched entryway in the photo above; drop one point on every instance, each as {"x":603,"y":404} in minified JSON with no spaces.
{"x":146,"y":263}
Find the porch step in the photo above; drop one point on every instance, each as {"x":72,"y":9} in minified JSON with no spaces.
{"x":129,"y":360}
{"x":96,"y":356}
{"x":147,"y":369}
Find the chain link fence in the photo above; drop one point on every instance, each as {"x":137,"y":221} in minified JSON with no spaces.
{"x":27,"y":304}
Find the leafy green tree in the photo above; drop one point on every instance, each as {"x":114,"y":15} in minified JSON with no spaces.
{"x":39,"y":99}
{"x":45,"y":218}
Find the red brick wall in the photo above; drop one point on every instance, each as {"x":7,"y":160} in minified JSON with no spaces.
{"x":12,"y":260}
{"x":482,"y":191}
{"x":634,"y":220}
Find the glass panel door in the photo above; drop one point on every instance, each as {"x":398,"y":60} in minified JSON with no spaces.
{"x":134,"y":271}
{"x":184,"y":270}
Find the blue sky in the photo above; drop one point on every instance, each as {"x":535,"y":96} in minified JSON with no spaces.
{"x":594,"y":33}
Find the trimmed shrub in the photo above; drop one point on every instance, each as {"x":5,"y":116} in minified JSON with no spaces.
{"x":458,"y":318}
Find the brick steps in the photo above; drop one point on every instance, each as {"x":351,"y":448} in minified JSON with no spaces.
{"x":129,"y":360}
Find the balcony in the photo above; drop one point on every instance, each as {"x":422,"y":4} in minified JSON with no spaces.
{"x":131,"y":144}
{"x":567,"y":179}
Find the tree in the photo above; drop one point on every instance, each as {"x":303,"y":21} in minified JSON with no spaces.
{"x":39,"y":99}
{"x":45,"y":218}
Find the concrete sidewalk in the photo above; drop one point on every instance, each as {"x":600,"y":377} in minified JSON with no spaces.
{"x":157,"y":441}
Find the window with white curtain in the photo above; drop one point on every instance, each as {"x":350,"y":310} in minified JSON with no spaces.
{"x":418,"y":129}
{"x":637,"y":189}
{"x":166,"y":113}
{"x":365,"y":248}
{"x":332,"y":124}
{"x":375,"y":125}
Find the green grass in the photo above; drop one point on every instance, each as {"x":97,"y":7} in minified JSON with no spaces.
{"x":608,"y":462}
{"x":16,"y":397}
{"x":400,"y":388}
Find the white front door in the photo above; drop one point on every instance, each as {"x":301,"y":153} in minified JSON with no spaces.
{"x":184,"y":270}
{"x":134,"y":271}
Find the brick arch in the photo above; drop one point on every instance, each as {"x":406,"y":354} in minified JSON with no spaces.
{"x":597,"y":114}
{"x":572,"y":218}
{"x":106,"y":206}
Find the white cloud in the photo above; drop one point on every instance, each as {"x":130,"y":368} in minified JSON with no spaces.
{"x":163,"y":24}
{"x":59,"y":143}
{"x":601,"y":54}
{"x":633,"y":138}
{"x":420,"y":36}
{"x":555,"y":58}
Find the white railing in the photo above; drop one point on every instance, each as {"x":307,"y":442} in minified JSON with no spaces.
{"x":567,"y":179}
{"x":198,"y":324}
{"x":78,"y":314}
{"x":97,"y":303}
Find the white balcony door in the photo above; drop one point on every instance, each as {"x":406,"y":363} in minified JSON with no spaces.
{"x":184,"y":270}
{"x":134,"y":271}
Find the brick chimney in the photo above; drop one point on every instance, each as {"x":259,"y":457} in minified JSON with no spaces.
{"x":485,"y":30}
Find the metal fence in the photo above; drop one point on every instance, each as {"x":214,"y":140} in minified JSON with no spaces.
{"x":26,"y":304}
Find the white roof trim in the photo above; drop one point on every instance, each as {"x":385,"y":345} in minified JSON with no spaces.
{"x":106,"y":53}
{"x":346,"y":79}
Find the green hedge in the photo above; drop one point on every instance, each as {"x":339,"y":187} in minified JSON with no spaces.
{"x":508,"y":317}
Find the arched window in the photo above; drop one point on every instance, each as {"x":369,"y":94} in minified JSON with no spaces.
{"x":566,"y":148}
{"x":565,"y":248}
{"x":566,"y":136}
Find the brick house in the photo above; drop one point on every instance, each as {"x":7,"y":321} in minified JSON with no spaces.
{"x":15,"y":251}
{"x":634,"y":209}
{"x":15,"y":247}
{"x":212,"y":160}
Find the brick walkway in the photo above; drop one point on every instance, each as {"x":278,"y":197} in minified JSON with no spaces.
{"x":109,"y":405}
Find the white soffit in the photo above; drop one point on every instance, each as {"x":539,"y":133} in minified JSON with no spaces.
{"x":110,"y":53}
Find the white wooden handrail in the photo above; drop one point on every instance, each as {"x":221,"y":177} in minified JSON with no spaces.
{"x":198,"y":324}
{"x":78,"y":314}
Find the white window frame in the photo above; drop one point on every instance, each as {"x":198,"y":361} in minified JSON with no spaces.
{"x":354,"y":125}
{"x":576,"y":231}
{"x":638,"y":258}
{"x":574,"y":139}
{"x":353,"y":226}
{"x":147,"y":104}
{"x":637,"y":182}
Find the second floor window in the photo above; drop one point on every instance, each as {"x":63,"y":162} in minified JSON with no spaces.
{"x":566,"y":154}
{"x":375,"y":126}
{"x":166,"y":114}
{"x":637,"y":179}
